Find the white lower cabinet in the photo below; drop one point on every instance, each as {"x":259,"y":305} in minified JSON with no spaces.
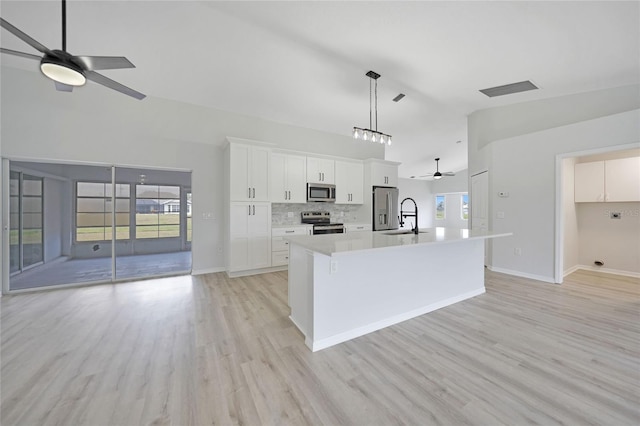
{"x":357,"y":227}
{"x":250,"y":236}
{"x":280,"y":247}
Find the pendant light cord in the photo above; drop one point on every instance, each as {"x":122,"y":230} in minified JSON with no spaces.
{"x":376,"y":105}
{"x":370,"y":114}
{"x":64,"y":25}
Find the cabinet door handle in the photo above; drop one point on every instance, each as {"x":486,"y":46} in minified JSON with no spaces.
{"x":249,"y":210}
{"x":320,"y":176}
{"x":285,"y":195}
{"x":254,"y":209}
{"x":289,"y":232}
{"x":254,"y":193}
{"x":323,"y":176}
{"x":249,"y":194}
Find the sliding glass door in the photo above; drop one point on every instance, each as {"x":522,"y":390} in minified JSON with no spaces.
{"x":82,"y":224}
{"x":26,"y":248}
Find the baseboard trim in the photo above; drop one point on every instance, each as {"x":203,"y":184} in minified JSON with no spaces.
{"x":316,"y":345}
{"x":236,"y":274}
{"x":571,"y":270}
{"x":609,"y":271}
{"x":522,"y":274}
{"x":207,"y":270}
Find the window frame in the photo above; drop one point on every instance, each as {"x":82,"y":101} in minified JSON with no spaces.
{"x":105,"y":199}
{"x":157,"y":225}
{"x":462,"y":196}
{"x":444,"y":208}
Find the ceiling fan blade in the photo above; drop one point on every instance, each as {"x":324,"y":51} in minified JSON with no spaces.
{"x":24,"y":55}
{"x":107,"y":82}
{"x":61,"y":87}
{"x":22,"y":36}
{"x":448,"y":174}
{"x":429,"y":175}
{"x":105,"y":62}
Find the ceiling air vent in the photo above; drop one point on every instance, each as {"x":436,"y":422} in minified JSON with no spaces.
{"x":508,"y":89}
{"x":397,"y":98}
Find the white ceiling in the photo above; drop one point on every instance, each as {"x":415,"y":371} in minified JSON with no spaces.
{"x":303,"y":63}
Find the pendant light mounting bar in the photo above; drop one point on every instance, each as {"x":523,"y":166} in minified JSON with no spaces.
{"x":372,"y":74}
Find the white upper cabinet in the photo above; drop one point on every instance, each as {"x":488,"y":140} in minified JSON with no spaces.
{"x":249,"y":170}
{"x":608,"y":181}
{"x":320,"y":170}
{"x":384,"y":174}
{"x":622,"y":179}
{"x":349,"y":182}
{"x":288,"y":178}
{"x":589,"y":182}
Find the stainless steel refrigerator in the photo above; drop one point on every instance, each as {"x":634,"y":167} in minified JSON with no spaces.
{"x":385,"y":208}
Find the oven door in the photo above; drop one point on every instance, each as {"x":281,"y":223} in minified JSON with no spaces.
{"x":331,"y":229}
{"x":318,"y":192}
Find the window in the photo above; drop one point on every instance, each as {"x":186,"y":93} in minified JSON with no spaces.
{"x":464,"y":206}
{"x":440,"y":207}
{"x":189,"y":217}
{"x":94,"y":211}
{"x":157,"y":211}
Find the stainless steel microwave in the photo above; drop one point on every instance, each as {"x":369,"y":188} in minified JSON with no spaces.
{"x":320,"y":192}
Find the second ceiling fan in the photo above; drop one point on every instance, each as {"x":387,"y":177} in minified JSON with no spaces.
{"x":437,"y":175}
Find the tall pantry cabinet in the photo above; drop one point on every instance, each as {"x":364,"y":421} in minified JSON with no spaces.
{"x":247,"y":170}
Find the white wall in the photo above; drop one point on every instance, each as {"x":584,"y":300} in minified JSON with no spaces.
{"x":525,"y":167}
{"x":570,"y":233}
{"x":96,"y":125}
{"x":616,"y":242}
{"x":420,"y":191}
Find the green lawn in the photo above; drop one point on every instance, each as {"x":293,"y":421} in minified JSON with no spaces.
{"x":148,"y":226}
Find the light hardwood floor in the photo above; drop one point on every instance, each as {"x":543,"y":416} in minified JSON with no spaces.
{"x":214,"y":350}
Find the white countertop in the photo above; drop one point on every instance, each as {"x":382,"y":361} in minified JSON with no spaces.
{"x":357,"y":242}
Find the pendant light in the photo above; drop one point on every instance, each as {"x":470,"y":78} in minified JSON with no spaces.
{"x":370,"y":134}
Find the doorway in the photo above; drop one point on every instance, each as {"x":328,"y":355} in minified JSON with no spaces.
{"x":480,"y":207}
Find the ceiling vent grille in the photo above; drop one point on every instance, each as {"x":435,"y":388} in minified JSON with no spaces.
{"x":397,"y":98}
{"x":508,"y":89}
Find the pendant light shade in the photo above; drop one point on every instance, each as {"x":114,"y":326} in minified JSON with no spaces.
{"x":370,"y":134}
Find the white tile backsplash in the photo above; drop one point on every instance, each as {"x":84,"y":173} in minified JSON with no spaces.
{"x":343,"y":213}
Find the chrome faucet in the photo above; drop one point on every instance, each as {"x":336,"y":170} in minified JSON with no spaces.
{"x":408,"y":214}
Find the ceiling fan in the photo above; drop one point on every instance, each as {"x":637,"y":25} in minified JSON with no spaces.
{"x":437,"y":175}
{"x":67,"y":70}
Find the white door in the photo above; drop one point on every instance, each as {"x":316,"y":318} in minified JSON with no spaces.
{"x":259,"y":172}
{"x":480,"y":205}
{"x":297,"y":179}
{"x":278,"y":182}
{"x":239,"y":171}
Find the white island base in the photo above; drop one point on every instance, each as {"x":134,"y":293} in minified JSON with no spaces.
{"x":338,"y":296}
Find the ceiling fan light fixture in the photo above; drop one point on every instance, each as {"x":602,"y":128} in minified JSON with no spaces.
{"x":62,"y":71}
{"x":437,"y":175}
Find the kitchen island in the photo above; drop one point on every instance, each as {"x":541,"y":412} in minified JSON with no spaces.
{"x":342,"y":286}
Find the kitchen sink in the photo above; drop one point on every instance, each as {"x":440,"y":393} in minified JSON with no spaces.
{"x":402,"y":232}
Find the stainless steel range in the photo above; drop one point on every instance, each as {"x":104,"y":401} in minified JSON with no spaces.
{"x":321,"y":222}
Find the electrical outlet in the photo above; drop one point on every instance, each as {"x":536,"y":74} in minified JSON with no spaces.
{"x":615,"y":215}
{"x":334,"y":266}
{"x":289,"y":214}
{"x":503,"y":194}
{"x":517,"y":251}
{"x":500,"y":215}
